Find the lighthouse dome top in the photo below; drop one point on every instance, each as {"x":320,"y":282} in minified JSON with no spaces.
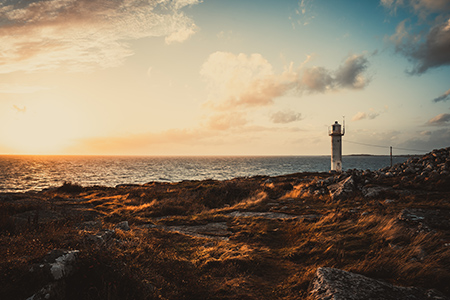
{"x":336,"y":129}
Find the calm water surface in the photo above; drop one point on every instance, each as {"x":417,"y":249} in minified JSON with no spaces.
{"x":34,"y":173}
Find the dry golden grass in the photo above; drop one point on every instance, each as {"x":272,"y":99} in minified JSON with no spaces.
{"x":263,"y":258}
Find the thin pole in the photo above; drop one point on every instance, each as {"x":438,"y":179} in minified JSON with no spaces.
{"x":391,"y":156}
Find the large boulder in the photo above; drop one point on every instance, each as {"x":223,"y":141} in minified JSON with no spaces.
{"x":336,"y":284}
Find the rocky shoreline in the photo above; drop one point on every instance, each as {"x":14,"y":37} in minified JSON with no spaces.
{"x":359,"y":234}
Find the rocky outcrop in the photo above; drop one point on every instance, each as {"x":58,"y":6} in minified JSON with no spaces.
{"x":433,"y":167}
{"x":335,"y":284}
{"x":425,"y":219}
{"x":56,"y":266}
{"x":430,"y":166}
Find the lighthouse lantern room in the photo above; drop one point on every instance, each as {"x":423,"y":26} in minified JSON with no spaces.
{"x":336,"y":134}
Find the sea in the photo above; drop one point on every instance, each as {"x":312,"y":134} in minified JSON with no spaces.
{"x":35,"y":173}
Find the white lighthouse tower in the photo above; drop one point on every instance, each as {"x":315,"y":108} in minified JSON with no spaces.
{"x":336,"y":146}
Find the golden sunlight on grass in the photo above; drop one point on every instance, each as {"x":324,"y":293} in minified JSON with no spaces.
{"x":187,"y":240}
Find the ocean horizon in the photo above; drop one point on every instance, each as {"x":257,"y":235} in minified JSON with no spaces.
{"x":23,"y":173}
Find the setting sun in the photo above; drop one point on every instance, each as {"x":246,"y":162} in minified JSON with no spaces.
{"x":46,"y":128}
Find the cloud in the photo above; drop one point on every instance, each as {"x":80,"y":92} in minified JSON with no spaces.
{"x":439,"y":120}
{"x":372,"y":115}
{"x":305,"y":13}
{"x":227,"y":121}
{"x":362,"y":115}
{"x":431,"y":140}
{"x":422,"y":8}
{"x":350,"y":74}
{"x":359,"y":116}
{"x":242,"y":80}
{"x":443,"y":97}
{"x":317,"y":79}
{"x":84,"y":34}
{"x":20,"y":110}
{"x":429,"y":50}
{"x":249,"y":80}
{"x":284,"y":117}
{"x":431,"y":53}
{"x":182,"y":34}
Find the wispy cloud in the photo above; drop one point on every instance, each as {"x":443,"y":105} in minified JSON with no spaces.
{"x":249,"y":80}
{"x":305,"y":13}
{"x":370,"y":116}
{"x":429,"y":140}
{"x":285,"y":117}
{"x":429,"y":50}
{"x":84,"y":34}
{"x":422,"y":8}
{"x":439,"y":120}
{"x":19,"y":109}
{"x":362,"y":115}
{"x":443,"y":97}
{"x":227,"y":121}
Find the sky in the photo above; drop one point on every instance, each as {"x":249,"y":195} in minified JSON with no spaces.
{"x":223,"y":77}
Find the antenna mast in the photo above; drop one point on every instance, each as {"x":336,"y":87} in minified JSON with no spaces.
{"x":343,"y":125}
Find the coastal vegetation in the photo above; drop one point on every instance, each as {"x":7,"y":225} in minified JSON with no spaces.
{"x":246,"y":238}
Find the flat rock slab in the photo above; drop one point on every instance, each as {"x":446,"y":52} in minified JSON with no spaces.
{"x":217,"y":230}
{"x":336,"y":284}
{"x":434,"y":218}
{"x":272,"y":215}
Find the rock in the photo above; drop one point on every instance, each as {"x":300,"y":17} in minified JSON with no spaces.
{"x":335,"y":284}
{"x":342,"y":189}
{"x":52,"y":291}
{"x":123,"y":226}
{"x":56,"y":265}
{"x":409,"y":170}
{"x":147,"y":226}
{"x":101,"y":237}
{"x":411,"y":215}
{"x":374,"y":191}
{"x":218,"y":230}
{"x":90,"y":225}
{"x":63,"y":264}
{"x":273,"y":215}
{"x":425,"y":219}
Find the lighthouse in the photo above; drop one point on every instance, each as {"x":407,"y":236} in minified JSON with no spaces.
{"x":336,"y":134}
